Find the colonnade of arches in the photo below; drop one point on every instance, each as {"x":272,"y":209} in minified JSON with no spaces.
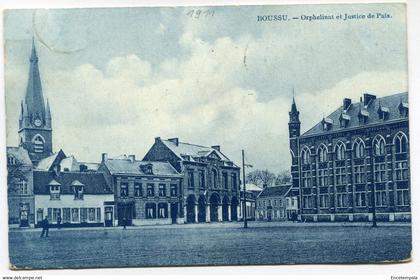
{"x":211,"y":209}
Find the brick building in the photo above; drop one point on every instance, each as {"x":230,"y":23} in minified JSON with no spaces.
{"x":360,"y":149}
{"x":146,"y":192}
{"x":210,"y":180}
{"x":271,"y":203}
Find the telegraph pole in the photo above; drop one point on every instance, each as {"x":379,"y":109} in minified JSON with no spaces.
{"x":243,"y":180}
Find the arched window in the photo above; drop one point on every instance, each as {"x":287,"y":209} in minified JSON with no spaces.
{"x":322,"y":153}
{"x":38,"y":143}
{"x":306,"y":154}
{"x":400,"y":142}
{"x":379,"y":146}
{"x":359,"y":148}
{"x":340,"y":151}
{"x":150,"y":210}
{"x":214,"y":173}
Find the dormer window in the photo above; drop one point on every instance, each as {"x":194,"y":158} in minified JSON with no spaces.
{"x":147,"y":168}
{"x":78,"y":189}
{"x":403,"y":108}
{"x":383,"y":112}
{"x":327,"y":123}
{"x":54,"y":190}
{"x":344,"y":119}
{"x":363,"y":116}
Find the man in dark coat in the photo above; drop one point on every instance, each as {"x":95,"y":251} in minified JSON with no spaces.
{"x":58,"y":222}
{"x":45,"y":227}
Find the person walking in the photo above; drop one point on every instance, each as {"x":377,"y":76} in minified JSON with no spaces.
{"x":125,"y":223}
{"x":59,"y":222}
{"x":45,"y":227}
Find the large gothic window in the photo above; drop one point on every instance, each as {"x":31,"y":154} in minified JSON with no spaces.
{"x":322,"y":153}
{"x":379,"y":146}
{"x":359,"y":148}
{"x":400,"y":142}
{"x":340,"y":151}
{"x":306,"y":156}
{"x":38,"y":143}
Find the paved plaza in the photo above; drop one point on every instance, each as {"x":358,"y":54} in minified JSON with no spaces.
{"x":209,"y":244}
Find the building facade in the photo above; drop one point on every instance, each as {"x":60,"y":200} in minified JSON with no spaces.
{"x":73,"y":198}
{"x":146,"y":192}
{"x":271,"y":203}
{"x":20,"y":189}
{"x":210,"y":180}
{"x":354,"y":164}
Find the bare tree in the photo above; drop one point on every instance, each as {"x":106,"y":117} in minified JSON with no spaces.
{"x":15,"y":174}
{"x":261,"y":178}
{"x":283,"y":177}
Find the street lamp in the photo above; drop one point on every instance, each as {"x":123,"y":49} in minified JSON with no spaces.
{"x":244,"y":182}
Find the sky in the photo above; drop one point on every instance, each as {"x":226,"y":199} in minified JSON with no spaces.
{"x":117,"y":78}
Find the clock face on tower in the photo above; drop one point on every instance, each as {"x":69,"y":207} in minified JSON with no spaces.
{"x":37,"y":122}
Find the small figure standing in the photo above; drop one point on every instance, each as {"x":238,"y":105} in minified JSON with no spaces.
{"x":125,"y":223}
{"x":59,"y":222}
{"x":45,"y":227}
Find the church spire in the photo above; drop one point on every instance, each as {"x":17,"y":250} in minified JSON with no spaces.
{"x":34,"y":99}
{"x":294,"y":122}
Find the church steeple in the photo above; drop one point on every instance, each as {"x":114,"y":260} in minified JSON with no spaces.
{"x":294,"y":122}
{"x":35,"y":118}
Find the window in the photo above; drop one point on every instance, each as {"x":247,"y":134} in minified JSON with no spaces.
{"x":324,"y":200}
{"x":402,"y":198}
{"x":56,"y":213}
{"x":380,"y":172}
{"x":401,"y":170}
{"x":400,"y":142}
{"x":360,"y":199}
{"x":306,"y":178}
{"x":38,"y":144}
{"x":342,"y":200}
{"x":174,"y":190}
{"x":269,"y":202}
{"x":49,"y":214}
{"x":91,"y":214}
{"x":225,"y":180}
{"x":215,"y":178}
{"x":379,"y":146}
{"x":124,"y":190}
{"x":380,"y":198}
{"x":54,"y":192}
{"x":162,"y":190}
{"x":98,"y":215}
{"x":11,"y":160}
{"x":66,"y":215}
{"x":275,"y":202}
{"x":306,"y":154}
{"x":359,"y":148}
{"x":359,"y":174}
{"x":191,"y":179}
{"x":137,"y":190}
{"x":234,"y":183}
{"x":150,"y":211}
{"x":83,"y":215}
{"x":78,"y":192}
{"x":340,"y":176}
{"x":322,"y":153}
{"x":22,"y":187}
{"x":75,"y":215}
{"x":201,"y":182}
{"x":340,"y":151}
{"x":307,"y":202}
{"x":323,"y":177}
{"x":162,"y":210}
{"x":150,"y":190}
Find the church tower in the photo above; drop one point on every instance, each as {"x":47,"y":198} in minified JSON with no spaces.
{"x":294,"y":133}
{"x":35,"y":132}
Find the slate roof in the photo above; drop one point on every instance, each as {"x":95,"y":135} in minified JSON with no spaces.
{"x":280,"y":190}
{"x":191,"y":152}
{"x":20,"y":154}
{"x":128,"y":166}
{"x":46,"y":163}
{"x":94,"y":182}
{"x":390,"y":103}
{"x":251,"y":188}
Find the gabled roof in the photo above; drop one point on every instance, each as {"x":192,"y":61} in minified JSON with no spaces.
{"x":280,"y":190}
{"x":128,"y":166}
{"x":48,"y":162}
{"x":70,"y":163}
{"x":191,"y":152}
{"x":94,"y":182}
{"x":20,"y":154}
{"x":391,"y":103}
{"x":251,"y":188}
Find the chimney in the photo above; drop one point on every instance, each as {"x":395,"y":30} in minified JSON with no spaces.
{"x":174,"y":140}
{"x":368,"y":98}
{"x":346,"y":103}
{"x":132,"y":158}
{"x":104,"y":157}
{"x":216,"y":147}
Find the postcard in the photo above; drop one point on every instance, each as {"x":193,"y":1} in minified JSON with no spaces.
{"x":202,"y":136}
